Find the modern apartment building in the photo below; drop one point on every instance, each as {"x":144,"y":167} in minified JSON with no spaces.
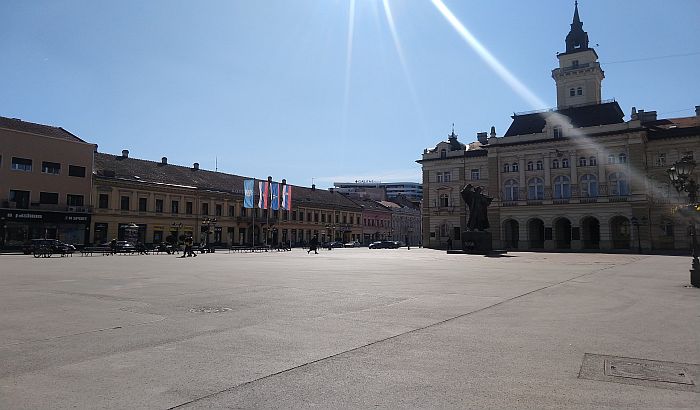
{"x":380,"y":191}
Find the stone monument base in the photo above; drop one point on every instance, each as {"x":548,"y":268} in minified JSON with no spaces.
{"x":477,"y":243}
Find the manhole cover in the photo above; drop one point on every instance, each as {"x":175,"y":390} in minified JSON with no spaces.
{"x":640,"y":372}
{"x":655,"y":371}
{"x":210,"y":309}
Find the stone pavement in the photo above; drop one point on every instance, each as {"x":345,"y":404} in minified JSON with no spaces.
{"x":349,"y":328}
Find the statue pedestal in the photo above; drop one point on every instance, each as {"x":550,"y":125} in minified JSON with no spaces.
{"x":477,"y":242}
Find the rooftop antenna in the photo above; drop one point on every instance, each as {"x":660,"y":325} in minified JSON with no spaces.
{"x":216,"y":164}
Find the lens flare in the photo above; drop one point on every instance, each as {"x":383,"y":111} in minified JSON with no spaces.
{"x":348,"y":66}
{"x":402,"y":59}
{"x":579,"y":138}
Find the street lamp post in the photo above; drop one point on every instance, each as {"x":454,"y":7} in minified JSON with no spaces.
{"x":636,"y":222}
{"x":680,"y":174}
{"x":176,"y":241}
{"x":330,"y":229}
{"x":208,"y":222}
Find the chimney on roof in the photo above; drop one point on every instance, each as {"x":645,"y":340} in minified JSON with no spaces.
{"x":125,"y":153}
{"x":493,"y":132}
{"x":164,"y":160}
{"x":482,"y":137}
{"x":697,"y":110}
{"x":195,"y":166}
{"x":646,"y":116}
{"x":313,"y":187}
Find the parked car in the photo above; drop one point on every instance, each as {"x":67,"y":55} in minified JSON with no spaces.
{"x":52,"y":245}
{"x":353,"y":244}
{"x":384,"y":245}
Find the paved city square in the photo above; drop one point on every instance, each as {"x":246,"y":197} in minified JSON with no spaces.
{"x":348,"y":328}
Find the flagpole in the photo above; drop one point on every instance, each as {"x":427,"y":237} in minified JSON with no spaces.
{"x":253,"y":213}
{"x":268,"y":194}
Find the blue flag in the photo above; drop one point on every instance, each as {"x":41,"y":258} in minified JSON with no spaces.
{"x":275,"y":188}
{"x":248,"y":190}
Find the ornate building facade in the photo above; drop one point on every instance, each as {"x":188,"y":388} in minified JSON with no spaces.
{"x":575,"y":177}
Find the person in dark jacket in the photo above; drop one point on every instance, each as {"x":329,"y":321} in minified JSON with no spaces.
{"x":313,"y":245}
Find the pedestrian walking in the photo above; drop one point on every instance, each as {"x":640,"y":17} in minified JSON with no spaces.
{"x":408,"y":244}
{"x":113,"y":246}
{"x":449,"y":243}
{"x":313,"y":245}
{"x":188,"y":248}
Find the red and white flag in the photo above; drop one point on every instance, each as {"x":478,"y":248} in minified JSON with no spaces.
{"x":264,"y":188}
{"x":287,"y":197}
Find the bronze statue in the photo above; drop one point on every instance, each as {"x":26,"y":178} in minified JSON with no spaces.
{"x":477,"y":203}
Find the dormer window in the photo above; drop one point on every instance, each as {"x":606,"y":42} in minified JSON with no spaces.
{"x":557,"y":131}
{"x":443,"y":153}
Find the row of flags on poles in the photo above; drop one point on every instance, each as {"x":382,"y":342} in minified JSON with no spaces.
{"x":269,"y":197}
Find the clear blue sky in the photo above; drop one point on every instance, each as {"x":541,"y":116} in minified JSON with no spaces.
{"x":265,"y":87}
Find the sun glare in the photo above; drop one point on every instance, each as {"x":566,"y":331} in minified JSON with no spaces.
{"x":522,"y":90}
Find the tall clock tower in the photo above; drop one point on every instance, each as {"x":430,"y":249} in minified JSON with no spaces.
{"x":579,"y":75}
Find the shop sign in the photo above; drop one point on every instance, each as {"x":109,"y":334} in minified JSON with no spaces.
{"x":53,"y":217}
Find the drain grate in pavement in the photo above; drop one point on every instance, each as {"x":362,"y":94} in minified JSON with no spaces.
{"x":641,"y":372}
{"x":210,"y":309}
{"x":646,"y":370}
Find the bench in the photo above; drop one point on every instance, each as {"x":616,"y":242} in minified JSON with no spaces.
{"x":89,"y":250}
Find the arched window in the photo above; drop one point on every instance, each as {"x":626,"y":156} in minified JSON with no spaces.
{"x":506,"y":168}
{"x":592,"y":161}
{"x":589,"y":186}
{"x":582,"y":162}
{"x":622,"y":158}
{"x":443,"y":153}
{"x":555,"y":163}
{"x":565,"y":163}
{"x":611,"y":159}
{"x":530,"y":166}
{"x":618,"y":184}
{"x":562,"y":187}
{"x":514,"y":167}
{"x":579,"y":91}
{"x":572,"y":92}
{"x":535,"y":188}
{"x":538,"y":166}
{"x":510,"y":190}
{"x":444,"y":200}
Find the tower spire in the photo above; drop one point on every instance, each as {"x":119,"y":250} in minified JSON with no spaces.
{"x":577,"y":39}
